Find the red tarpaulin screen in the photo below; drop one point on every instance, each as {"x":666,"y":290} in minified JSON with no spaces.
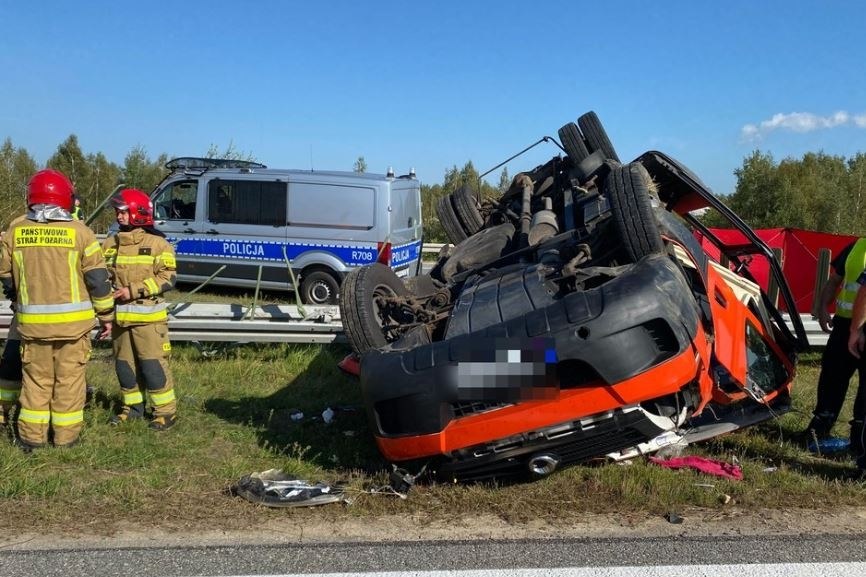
{"x":799,"y":257}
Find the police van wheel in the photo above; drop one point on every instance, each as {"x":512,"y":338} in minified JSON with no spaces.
{"x":368,"y":304}
{"x":319,"y":287}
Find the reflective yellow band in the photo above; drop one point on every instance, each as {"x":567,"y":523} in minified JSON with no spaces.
{"x":168,"y":259}
{"x":131,"y":317}
{"x":73,"y":277}
{"x":92,"y":248}
{"x":161,"y":398}
{"x":133,"y":398}
{"x":67,"y":419}
{"x":35,"y":417}
{"x":23,"y":298}
{"x":138,"y":259}
{"x":109,"y":251}
{"x":166,"y":347}
{"x":51,"y":318}
{"x":103,"y":304}
{"x":9,"y":394}
{"x":151,"y":286}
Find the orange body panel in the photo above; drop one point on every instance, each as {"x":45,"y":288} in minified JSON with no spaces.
{"x":569,"y":405}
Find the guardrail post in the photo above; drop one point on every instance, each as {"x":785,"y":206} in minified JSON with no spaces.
{"x":822,"y":275}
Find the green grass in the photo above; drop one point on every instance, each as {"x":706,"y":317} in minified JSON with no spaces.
{"x":236,"y":418}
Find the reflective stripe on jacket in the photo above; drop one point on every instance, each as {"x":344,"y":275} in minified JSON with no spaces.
{"x":145,"y":264}
{"x":854,"y":265}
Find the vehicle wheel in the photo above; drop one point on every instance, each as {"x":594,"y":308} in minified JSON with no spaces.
{"x":627,"y":189}
{"x":319,"y":287}
{"x":596,"y":135}
{"x":572,"y":142}
{"x":452,"y":226}
{"x":467,"y":210}
{"x":363,"y":307}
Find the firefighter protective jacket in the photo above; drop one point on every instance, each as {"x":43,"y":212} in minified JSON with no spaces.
{"x":145,"y":263}
{"x":55,"y":274}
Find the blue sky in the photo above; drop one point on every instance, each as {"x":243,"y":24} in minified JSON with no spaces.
{"x":431,"y":85}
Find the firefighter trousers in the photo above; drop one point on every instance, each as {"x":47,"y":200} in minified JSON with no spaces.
{"x":141,"y":359}
{"x":52,"y":391}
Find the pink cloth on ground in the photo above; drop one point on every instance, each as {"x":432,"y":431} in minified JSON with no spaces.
{"x":702,"y":464}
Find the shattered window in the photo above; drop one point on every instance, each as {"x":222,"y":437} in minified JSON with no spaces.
{"x":764,"y":371}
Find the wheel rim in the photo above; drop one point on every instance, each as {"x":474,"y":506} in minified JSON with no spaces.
{"x":320,"y":292}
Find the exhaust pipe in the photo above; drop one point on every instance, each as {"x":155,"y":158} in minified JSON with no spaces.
{"x":543,"y":464}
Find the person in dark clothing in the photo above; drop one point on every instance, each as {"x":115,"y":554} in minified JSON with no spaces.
{"x":838,"y":364}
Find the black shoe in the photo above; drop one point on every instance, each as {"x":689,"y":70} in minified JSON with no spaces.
{"x":162,"y":423}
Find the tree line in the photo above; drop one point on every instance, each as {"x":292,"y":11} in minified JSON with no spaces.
{"x":817,"y":192}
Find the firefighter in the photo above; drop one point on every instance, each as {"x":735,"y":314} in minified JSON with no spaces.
{"x":52,"y":269}
{"x":142,"y":267}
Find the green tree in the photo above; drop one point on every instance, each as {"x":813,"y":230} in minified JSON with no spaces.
{"x":360,"y":165}
{"x":504,"y":181}
{"x":16,"y":168}
{"x":140,"y":172}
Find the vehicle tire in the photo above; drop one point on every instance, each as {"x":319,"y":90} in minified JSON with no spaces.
{"x":361,"y":314}
{"x":596,"y":135}
{"x":452,"y":226}
{"x":572,"y":142}
{"x":627,"y":190}
{"x":319,"y":287}
{"x":467,"y":209}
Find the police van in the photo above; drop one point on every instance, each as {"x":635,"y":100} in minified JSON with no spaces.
{"x":258,"y":222}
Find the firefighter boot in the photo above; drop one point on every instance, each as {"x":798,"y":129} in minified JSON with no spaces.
{"x":128,"y":413}
{"x":162,"y":423}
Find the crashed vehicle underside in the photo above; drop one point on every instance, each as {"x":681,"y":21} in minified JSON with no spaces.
{"x":576,"y":317}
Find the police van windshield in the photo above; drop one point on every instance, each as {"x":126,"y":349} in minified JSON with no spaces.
{"x":176,"y":201}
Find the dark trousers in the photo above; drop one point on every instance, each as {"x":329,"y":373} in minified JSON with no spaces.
{"x":837,"y":368}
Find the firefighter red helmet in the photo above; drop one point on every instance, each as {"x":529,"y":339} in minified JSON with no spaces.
{"x":50,"y":187}
{"x":137,"y":203}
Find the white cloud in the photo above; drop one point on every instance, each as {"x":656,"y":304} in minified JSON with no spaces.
{"x":801,"y":122}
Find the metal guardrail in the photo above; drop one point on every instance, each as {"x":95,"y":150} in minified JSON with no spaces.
{"x":285,"y":324}
{"x":242,"y":324}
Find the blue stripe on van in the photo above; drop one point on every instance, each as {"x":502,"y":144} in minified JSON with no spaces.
{"x":405,"y":253}
{"x":273,"y":251}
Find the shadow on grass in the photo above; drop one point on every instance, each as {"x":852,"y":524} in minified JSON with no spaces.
{"x":291,"y":421}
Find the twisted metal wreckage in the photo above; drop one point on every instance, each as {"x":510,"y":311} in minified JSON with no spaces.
{"x":574,"y":318}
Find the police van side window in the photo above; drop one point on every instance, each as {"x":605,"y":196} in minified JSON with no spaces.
{"x":247,"y":202}
{"x":176,"y":201}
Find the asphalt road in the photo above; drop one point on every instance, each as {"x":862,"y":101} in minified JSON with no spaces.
{"x":414,"y":558}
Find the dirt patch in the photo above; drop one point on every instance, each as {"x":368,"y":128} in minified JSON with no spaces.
{"x":300,"y":527}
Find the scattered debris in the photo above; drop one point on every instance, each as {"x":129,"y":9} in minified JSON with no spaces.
{"x":702,"y":464}
{"x":770,"y":469}
{"x":828,"y":446}
{"x":672,"y":517}
{"x":351,"y":365}
{"x":274,"y":488}
{"x":296,"y":415}
{"x":328,"y":415}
